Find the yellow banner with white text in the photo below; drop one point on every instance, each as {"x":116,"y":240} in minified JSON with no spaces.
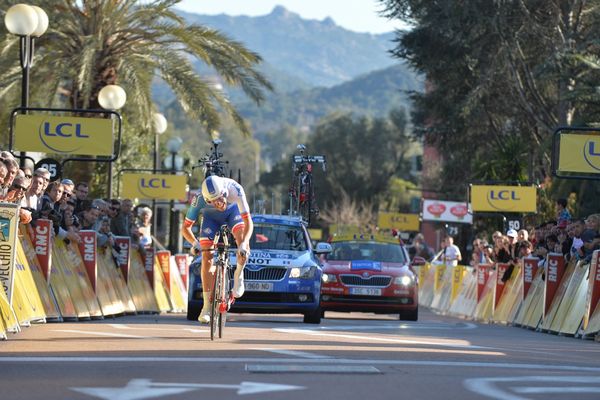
{"x":64,"y":135}
{"x":154,"y":186}
{"x":503,"y":198}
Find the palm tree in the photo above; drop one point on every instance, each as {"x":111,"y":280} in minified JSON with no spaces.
{"x":93,"y":43}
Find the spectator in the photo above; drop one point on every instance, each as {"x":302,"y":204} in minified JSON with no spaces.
{"x":105,"y":237}
{"x":477,"y":254}
{"x":114,"y":208}
{"x":144,"y":226}
{"x":522,"y":235}
{"x":512,"y":235}
{"x":70,"y":222}
{"x":13,"y":168}
{"x":422,"y":249}
{"x":33,"y":194}
{"x":3,"y":174}
{"x":28,"y":174}
{"x":563,"y":216}
{"x":81,"y":193}
{"x":121,"y":224}
{"x":502,"y":252}
{"x":89,"y":216}
{"x":45,"y":174}
{"x":576,"y":230}
{"x":17,"y":190}
{"x":51,"y":199}
{"x":451,"y":255}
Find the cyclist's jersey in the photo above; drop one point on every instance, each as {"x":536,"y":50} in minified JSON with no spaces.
{"x":235,"y":196}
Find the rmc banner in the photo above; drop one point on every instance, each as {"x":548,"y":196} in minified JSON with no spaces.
{"x":503,"y":198}
{"x":64,"y":135}
{"x":154,"y":186}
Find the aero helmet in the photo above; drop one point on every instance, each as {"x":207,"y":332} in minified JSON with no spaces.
{"x":213,"y":187}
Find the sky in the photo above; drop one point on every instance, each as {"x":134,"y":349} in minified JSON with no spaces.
{"x":354,"y":15}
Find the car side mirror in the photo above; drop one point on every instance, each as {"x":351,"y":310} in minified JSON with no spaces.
{"x":418,"y":261}
{"x":323,"y":248}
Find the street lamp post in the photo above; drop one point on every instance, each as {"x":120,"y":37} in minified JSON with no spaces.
{"x":27,"y":22}
{"x":111,"y":97}
{"x":176,"y":163}
{"x":159,"y":123}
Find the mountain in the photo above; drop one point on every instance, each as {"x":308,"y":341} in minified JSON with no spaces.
{"x":318,"y":53}
{"x":373,"y":94}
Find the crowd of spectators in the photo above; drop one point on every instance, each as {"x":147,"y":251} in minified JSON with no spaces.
{"x":67,"y":205}
{"x":574,"y":238}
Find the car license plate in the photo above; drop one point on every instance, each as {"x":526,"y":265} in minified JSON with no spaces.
{"x":363,"y":291}
{"x":258,"y":286}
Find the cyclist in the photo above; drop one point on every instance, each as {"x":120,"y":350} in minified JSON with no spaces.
{"x":222,"y":201}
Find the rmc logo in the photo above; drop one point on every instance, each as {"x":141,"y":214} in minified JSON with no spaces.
{"x":61,"y":136}
{"x":502,"y":199}
{"x":591,"y":155}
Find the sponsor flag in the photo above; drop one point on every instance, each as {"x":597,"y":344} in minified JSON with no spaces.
{"x":64,"y":135}
{"x":154,"y":186}
{"x":9,"y":218}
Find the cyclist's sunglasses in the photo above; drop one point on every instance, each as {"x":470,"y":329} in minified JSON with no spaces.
{"x":220,"y":200}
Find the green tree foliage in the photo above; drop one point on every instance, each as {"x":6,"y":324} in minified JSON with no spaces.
{"x":502,"y":76}
{"x":93,"y":43}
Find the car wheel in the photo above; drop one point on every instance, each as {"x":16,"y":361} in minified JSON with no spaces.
{"x":313,"y":317}
{"x":412,"y":315}
{"x":193,"y":311}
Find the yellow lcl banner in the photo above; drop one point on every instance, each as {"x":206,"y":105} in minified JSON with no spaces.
{"x":154,"y":186}
{"x":64,"y":135}
{"x":503,"y":198}
{"x":402,"y":222}
{"x":579,"y":153}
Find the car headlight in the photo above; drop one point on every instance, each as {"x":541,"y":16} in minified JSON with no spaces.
{"x":302,"y":272}
{"x":403,"y":280}
{"x":329,"y":278}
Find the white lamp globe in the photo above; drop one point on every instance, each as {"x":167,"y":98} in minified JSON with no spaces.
{"x":42,"y":21}
{"x":21,"y":20}
{"x":112,"y":97}
{"x":160,"y":123}
{"x":174,"y":144}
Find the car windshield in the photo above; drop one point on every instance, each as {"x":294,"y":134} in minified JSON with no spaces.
{"x":349,"y":251}
{"x":278,"y":237}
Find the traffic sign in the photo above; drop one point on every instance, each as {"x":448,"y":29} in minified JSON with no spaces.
{"x":53,"y":166}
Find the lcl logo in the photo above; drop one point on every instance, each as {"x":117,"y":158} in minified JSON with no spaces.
{"x":591,"y":155}
{"x":501,"y":199}
{"x":154,"y":183}
{"x":64,"y":130}
{"x":63,"y":137}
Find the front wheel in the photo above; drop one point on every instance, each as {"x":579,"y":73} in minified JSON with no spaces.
{"x":214,"y":305}
{"x":412,"y":315}
{"x":313,"y":317}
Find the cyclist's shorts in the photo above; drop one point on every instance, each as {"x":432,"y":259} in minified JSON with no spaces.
{"x":213,"y":219}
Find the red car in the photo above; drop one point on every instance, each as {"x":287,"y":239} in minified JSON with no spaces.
{"x":370,"y":274}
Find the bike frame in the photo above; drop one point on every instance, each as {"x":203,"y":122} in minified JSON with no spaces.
{"x":222,"y":298}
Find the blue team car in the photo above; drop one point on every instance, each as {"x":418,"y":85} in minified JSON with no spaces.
{"x":283,"y":273}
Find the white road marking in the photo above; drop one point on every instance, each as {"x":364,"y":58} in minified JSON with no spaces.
{"x":121,"y":335}
{"x":394,"y":326}
{"x":450,"y":343}
{"x":293,"y":353}
{"x":340,"y":361}
{"x":145,"y":328}
{"x":540,"y":390}
{"x":487,"y":386}
{"x":311,"y":369}
{"x":138,"y":389}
